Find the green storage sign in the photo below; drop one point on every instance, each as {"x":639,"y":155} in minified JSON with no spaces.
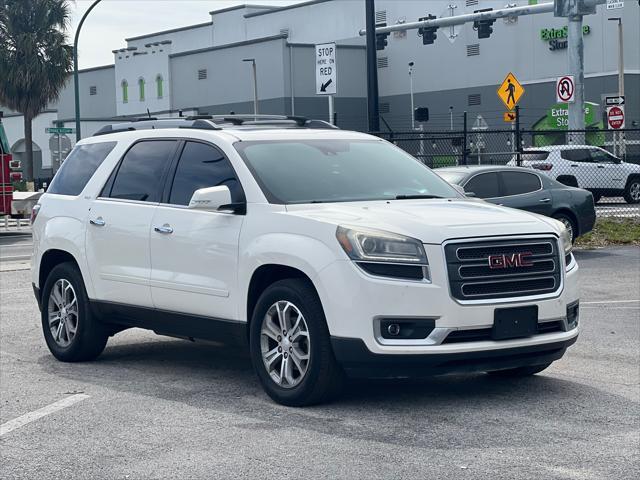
{"x":558,"y":116}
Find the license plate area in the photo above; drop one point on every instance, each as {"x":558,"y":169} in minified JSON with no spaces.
{"x":517,"y":322}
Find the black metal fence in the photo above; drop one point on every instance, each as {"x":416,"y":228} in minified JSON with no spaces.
{"x":605,"y":162}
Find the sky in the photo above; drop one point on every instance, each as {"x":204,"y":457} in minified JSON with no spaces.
{"x":111,"y":21}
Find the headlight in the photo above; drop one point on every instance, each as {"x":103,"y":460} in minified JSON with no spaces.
{"x":565,"y":238}
{"x":379,"y":246}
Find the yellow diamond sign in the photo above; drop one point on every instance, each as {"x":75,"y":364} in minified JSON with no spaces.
{"x":510,"y":91}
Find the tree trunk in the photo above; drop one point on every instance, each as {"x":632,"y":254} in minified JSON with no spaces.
{"x":27,"y":168}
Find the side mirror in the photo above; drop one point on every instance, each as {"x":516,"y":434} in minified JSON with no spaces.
{"x":212,"y":199}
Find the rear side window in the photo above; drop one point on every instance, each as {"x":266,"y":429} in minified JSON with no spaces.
{"x":577,"y":155}
{"x":202,"y":166}
{"x":517,"y":183}
{"x":142,"y":170}
{"x":485,"y":185}
{"x":79,"y":167}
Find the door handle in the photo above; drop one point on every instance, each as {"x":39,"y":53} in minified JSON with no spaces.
{"x":574,"y":165}
{"x":545,"y":200}
{"x":600,"y":166}
{"x":166,"y":229}
{"x":98,"y":222}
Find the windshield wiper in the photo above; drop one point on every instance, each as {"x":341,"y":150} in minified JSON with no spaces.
{"x":414,"y":197}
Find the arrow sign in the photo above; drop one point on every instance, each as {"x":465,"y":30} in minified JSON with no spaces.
{"x":326,"y":69}
{"x":324,"y":86}
{"x":609,"y":101}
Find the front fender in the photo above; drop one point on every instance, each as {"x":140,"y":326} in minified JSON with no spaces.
{"x":304,"y":253}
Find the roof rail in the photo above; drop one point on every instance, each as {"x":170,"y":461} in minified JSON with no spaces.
{"x":214,"y":122}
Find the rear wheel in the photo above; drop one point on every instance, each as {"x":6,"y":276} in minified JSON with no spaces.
{"x":520,"y":371}
{"x":632,"y":191}
{"x":568,"y":223}
{"x":291,"y":347}
{"x":71,"y":332}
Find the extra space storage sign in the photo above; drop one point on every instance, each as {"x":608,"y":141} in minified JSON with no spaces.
{"x":326,"y":69}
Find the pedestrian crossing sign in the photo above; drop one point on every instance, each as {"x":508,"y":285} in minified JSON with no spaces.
{"x":510,"y":91}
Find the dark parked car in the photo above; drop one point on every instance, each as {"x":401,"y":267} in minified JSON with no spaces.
{"x":521,"y":188}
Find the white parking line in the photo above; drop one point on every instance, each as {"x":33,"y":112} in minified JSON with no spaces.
{"x":609,"y":301}
{"x":42,"y":412}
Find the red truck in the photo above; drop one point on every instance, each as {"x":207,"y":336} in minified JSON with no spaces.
{"x":8,"y":173}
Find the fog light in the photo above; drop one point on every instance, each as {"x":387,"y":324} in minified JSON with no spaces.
{"x":393,"y":329}
{"x":406,"y":328}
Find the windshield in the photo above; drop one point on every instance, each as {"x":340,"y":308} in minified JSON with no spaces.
{"x":314,"y":171}
{"x":452,"y":177}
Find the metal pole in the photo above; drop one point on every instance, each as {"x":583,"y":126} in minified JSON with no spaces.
{"x":576,"y":68}
{"x":255,"y":87}
{"x":76,"y":87}
{"x":413,"y":120}
{"x":464,"y":138}
{"x":451,"y":117}
{"x":330,"y":98}
{"x":622,"y":148}
{"x":517,"y":141}
{"x":372,"y":68}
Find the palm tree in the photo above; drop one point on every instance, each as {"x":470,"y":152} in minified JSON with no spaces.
{"x":35,"y":60}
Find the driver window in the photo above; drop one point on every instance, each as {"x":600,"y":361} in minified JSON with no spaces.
{"x":598,"y":156}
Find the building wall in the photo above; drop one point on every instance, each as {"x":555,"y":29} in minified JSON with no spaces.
{"x":102,"y":104}
{"x":182,"y":39}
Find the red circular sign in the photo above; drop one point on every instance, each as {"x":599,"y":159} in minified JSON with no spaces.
{"x":615,"y":117}
{"x":565,"y":88}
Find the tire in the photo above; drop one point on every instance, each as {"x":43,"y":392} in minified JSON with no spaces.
{"x":569,"y":223}
{"x":315,"y":380}
{"x":87,"y":339}
{"x":520,"y":371}
{"x":632,"y":191}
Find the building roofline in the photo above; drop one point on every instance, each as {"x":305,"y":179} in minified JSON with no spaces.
{"x":173,"y":30}
{"x":93,"y":69}
{"x":230,"y":45}
{"x":238,"y":7}
{"x":338,"y":45}
{"x":288,"y":7}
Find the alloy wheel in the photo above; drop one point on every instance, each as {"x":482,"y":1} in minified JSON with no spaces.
{"x":634,"y":191}
{"x":62,"y":310}
{"x":285,"y":344}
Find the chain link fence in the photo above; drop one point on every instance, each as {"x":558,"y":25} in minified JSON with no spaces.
{"x":605,"y":162}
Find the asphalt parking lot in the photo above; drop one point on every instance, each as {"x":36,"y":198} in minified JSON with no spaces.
{"x":155,"y":407}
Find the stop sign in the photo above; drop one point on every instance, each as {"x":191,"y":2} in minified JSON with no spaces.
{"x":615,"y":118}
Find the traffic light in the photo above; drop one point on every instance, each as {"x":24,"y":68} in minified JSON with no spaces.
{"x":381,"y":38}
{"x":428,"y":34}
{"x":484,"y":27}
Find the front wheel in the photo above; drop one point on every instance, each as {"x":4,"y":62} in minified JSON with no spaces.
{"x":520,"y":371}
{"x":291,"y":347}
{"x":70,"y":330}
{"x":632,"y":191}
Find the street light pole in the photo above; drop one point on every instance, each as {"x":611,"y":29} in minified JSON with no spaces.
{"x":413,"y":119}
{"x":619,"y":136}
{"x":76,"y":87}
{"x":255,"y":83}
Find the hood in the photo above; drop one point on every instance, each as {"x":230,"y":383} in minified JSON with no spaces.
{"x":430,"y":221}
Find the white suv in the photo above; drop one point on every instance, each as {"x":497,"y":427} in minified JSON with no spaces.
{"x":328,"y":251}
{"x":588,"y":167}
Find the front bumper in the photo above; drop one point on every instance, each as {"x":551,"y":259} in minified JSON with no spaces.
{"x":354,"y":302}
{"x":359,"y":362}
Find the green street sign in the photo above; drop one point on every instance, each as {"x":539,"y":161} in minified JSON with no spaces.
{"x":59,"y":130}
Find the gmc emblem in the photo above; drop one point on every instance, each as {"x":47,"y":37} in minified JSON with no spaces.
{"x":514,"y":260}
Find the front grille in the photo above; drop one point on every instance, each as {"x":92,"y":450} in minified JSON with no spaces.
{"x":520,"y":268}
{"x":480,"y":334}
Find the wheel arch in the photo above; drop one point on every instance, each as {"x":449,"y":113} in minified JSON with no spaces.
{"x":572,"y":216}
{"x":50,"y":259}
{"x":266,"y":275}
